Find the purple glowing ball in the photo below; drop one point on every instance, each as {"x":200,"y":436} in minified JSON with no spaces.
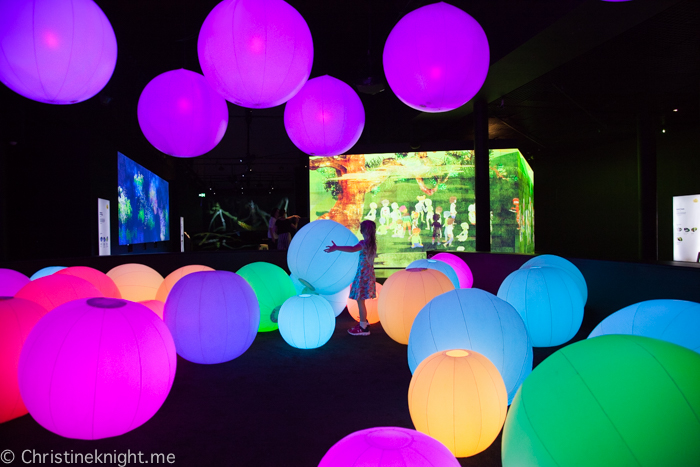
{"x":181,"y":115}
{"x":255,"y":53}
{"x":55,"y":51}
{"x":325,"y":118}
{"x":464,"y":273}
{"x":11,"y":281}
{"x":436,"y":58}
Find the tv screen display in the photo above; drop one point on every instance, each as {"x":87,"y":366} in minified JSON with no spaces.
{"x":143,"y":204}
{"x":408,"y":194}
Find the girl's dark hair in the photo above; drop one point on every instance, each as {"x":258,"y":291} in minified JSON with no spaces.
{"x":368,"y":229}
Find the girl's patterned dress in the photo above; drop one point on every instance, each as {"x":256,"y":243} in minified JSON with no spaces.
{"x":364,"y":285}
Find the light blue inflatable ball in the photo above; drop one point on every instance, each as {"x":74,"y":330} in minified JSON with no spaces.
{"x":47,"y":271}
{"x":306,"y":321}
{"x":566,"y":265}
{"x":441,"y":266}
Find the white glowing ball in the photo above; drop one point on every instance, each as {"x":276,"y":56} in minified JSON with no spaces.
{"x":306,"y":321}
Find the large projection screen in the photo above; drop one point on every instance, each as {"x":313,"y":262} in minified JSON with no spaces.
{"x":402,"y":192}
{"x":686,"y":221}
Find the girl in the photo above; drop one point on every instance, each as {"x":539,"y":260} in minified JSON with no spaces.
{"x":364,"y":285}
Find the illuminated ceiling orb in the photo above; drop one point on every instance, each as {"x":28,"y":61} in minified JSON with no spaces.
{"x":213,"y":316}
{"x":272,"y":286}
{"x":676,"y":321}
{"x":476,"y":320}
{"x":611,"y":400}
{"x":466,"y":279}
{"x":549,"y":302}
{"x":11,"y":281}
{"x":441,"y":266}
{"x":371,"y":304}
{"x":403,"y":295}
{"x":306,"y":321}
{"x":458,"y":397}
{"x":255,"y":53}
{"x":136,"y":282}
{"x":566,"y":265}
{"x":323,"y":273}
{"x":17,"y":318}
{"x":47,"y":271}
{"x":339,"y":300}
{"x":181,"y":115}
{"x":436,"y":58}
{"x":54,"y":290}
{"x":55,"y":51}
{"x":325,"y":118}
{"x":95,"y":368}
{"x":156,"y":306}
{"x":388,"y":446}
{"x":97,"y":278}
{"x":172,"y":278}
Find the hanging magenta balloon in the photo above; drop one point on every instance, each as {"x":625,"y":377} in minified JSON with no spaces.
{"x":54,"y":51}
{"x":181,"y":115}
{"x":436,"y":58}
{"x":255,"y":53}
{"x":325,"y":118}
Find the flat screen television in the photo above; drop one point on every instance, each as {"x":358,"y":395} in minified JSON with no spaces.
{"x":144,"y":205}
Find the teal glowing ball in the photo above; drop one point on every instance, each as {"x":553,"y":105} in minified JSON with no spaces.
{"x":559,"y":262}
{"x":437,"y":265}
{"x":272,"y":286}
{"x":306,"y":321}
{"x":613,"y":400}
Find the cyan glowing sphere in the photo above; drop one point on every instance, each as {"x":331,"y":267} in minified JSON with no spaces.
{"x":549,"y":302}
{"x":298,"y":286}
{"x":612,"y":400}
{"x":213,"y":316}
{"x":388,"y":446}
{"x":57,"y":289}
{"x":95,"y":368}
{"x":181,"y":115}
{"x":55,"y":51}
{"x":436,"y":58}
{"x":474,"y":319}
{"x":99,"y":279}
{"x":566,"y":265}
{"x":676,"y":321}
{"x":306,"y":321}
{"x":272,"y":286}
{"x":323,"y":273}
{"x":466,"y":279}
{"x":255,"y":53}
{"x":339,"y":300}
{"x":325,"y":118}
{"x":11,"y":281}
{"x":441,"y":266}
{"x":47,"y":271}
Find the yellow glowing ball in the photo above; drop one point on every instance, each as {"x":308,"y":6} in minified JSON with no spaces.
{"x":371,"y":305}
{"x":136,"y":282}
{"x":459,"y":398}
{"x":156,"y":306}
{"x":176,"y":275}
{"x":404,"y":294}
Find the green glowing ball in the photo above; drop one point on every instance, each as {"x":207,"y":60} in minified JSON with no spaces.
{"x":613,"y":400}
{"x":272,"y":286}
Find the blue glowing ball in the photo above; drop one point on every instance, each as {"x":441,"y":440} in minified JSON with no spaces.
{"x":47,"y":271}
{"x":306,"y":321}
{"x":566,"y":265}
{"x":437,"y":265}
{"x":549,"y":302}
{"x":676,"y":321}
{"x":338,"y":300}
{"x":473,"y":319}
{"x":213,"y":316}
{"x":298,"y":286}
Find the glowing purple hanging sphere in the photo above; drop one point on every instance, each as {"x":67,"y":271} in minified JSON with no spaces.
{"x":255,"y":53}
{"x":55,"y":51}
{"x":181,"y":115}
{"x":436,"y":58}
{"x":325,"y":118}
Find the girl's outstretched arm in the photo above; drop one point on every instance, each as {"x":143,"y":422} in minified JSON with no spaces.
{"x":344,"y":249}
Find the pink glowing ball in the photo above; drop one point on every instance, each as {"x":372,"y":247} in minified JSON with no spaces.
{"x":156,"y":306}
{"x":54,"y":290}
{"x":255,"y":53}
{"x":464,"y":274}
{"x":436,"y":58}
{"x":172,"y":278}
{"x":55,"y":51}
{"x":95,"y":368}
{"x":17,"y":318}
{"x":11,"y":281}
{"x":388,"y":447}
{"x":181,"y":115}
{"x":325,"y":118}
{"x":136,"y":282}
{"x":99,"y":279}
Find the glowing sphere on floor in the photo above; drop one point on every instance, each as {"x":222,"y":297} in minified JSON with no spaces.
{"x":54,"y":290}
{"x":97,"y":278}
{"x":372,"y":305}
{"x":255,"y":53}
{"x":441,"y":266}
{"x":458,"y":397}
{"x":96,"y":368}
{"x":548,"y":301}
{"x":476,"y":320}
{"x":566,"y":265}
{"x":388,"y":446}
{"x":11,"y":281}
{"x":323,"y":273}
{"x":213,"y":316}
{"x":17,"y":318}
{"x":676,"y":321}
{"x":464,"y":274}
{"x":306,"y":321}
{"x":404,"y":294}
{"x":47,"y":271}
{"x":272,"y":286}
{"x":610,"y":400}
{"x":338,"y":300}
{"x":436,"y":58}
{"x":54,"y":51}
{"x":172,"y":278}
{"x":136,"y":282}
{"x":156,"y":306}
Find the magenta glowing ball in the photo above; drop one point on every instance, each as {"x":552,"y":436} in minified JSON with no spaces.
{"x":99,"y":279}
{"x":325,"y":118}
{"x":55,"y":51}
{"x":464,"y":274}
{"x":11,"y":281}
{"x":436,"y":58}
{"x":95,"y":368}
{"x":181,"y":115}
{"x":54,"y":290}
{"x":255,"y":53}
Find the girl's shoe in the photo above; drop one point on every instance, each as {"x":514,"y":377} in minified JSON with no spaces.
{"x":359,"y":330}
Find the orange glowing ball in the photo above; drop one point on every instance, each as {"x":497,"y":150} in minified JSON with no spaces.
{"x":176,"y":275}
{"x":97,"y":278}
{"x":404,"y":294}
{"x":54,"y":290}
{"x":136,"y":282}
{"x":156,"y":306}
{"x":371,"y":305}
{"x":459,"y":398}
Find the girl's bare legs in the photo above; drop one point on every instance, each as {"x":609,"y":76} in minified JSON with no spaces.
{"x":363,"y":313}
